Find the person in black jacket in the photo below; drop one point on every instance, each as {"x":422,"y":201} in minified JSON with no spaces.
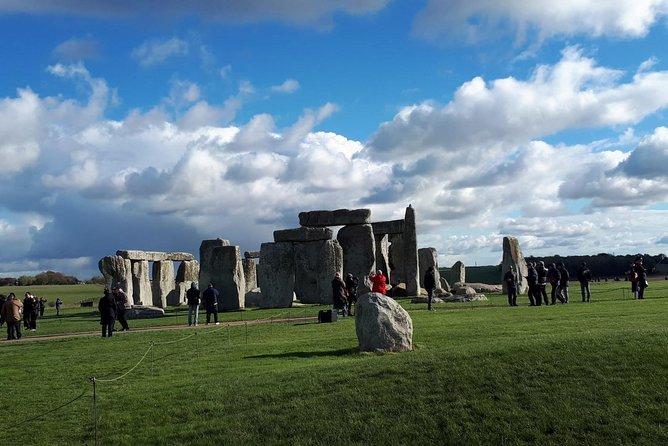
{"x":584,"y":276}
{"x":532,"y":281}
{"x":554,"y":277}
{"x":339,"y":294}
{"x":210,"y":297}
{"x":107,"y":309}
{"x":192,"y":296}
{"x":542,"y":283}
{"x":430,"y":286}
{"x":30,"y":311}
{"x":352,"y":283}
{"x":641,"y":277}
{"x":510,"y":278}
{"x":122,"y":305}
{"x":563,"y":282}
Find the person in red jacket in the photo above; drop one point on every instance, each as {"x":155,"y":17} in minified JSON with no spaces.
{"x":379,"y":282}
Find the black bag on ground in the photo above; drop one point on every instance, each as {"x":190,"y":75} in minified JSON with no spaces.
{"x":327,"y":316}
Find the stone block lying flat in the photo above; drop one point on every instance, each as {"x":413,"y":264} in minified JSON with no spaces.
{"x":303,"y":234}
{"x":339,"y":217}
{"x":388,"y":227}
{"x":154,"y":256}
{"x":252,"y":254}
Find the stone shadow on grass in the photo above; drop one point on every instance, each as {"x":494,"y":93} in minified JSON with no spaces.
{"x":333,"y":353}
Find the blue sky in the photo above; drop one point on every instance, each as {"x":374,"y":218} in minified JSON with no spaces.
{"x":493,"y":119}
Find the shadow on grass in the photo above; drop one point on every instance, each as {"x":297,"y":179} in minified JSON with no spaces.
{"x":321,"y":354}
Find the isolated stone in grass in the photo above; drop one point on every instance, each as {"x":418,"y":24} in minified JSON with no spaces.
{"x":382,"y":324}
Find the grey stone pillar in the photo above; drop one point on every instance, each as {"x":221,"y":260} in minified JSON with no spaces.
{"x":117,"y":272}
{"x":163,"y":283}
{"x":396,"y":252}
{"x":277,"y":274}
{"x":316,"y":263}
{"x":205,"y":253}
{"x":458,"y":273}
{"x":227,"y":275}
{"x":142,"y":293}
{"x":186,"y":275}
{"x":359,"y":252}
{"x":410,"y":253}
{"x":428,"y":257}
{"x":383,"y":255}
{"x":512,"y":255}
{"x":250,"y":273}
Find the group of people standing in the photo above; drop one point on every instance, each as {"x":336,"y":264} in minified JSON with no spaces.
{"x":344,"y":292}
{"x":13,"y":312}
{"x":210,"y":300}
{"x":637,"y":275}
{"x":538,"y":277}
{"x":112,"y":307}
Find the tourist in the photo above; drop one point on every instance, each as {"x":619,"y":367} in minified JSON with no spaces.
{"x":42,"y":306}
{"x":192,"y":298}
{"x":542,"y":282}
{"x":430,"y":286}
{"x":59,"y":304}
{"x":339,"y":295}
{"x":379,"y":282}
{"x":352,"y":283}
{"x":641,"y":275}
{"x":11,"y":313}
{"x":210,"y":298}
{"x":633,"y":278}
{"x":554,"y":277}
{"x":510,"y":278}
{"x":122,"y":305}
{"x":30,"y":311}
{"x":532,"y":280}
{"x":563,"y":282}
{"x":584,"y":276}
{"x":107,"y":308}
{"x":3,"y":299}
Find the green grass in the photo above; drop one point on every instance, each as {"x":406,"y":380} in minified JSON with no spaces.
{"x":70,"y":294}
{"x":480,"y":373}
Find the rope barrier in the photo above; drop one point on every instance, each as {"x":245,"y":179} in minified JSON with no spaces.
{"x":53,"y":410}
{"x":130,"y":370}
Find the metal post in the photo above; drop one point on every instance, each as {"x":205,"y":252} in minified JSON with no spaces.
{"x":246,"y":330}
{"x":95,"y":407}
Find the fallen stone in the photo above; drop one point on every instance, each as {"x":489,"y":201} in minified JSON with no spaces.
{"x":444,"y":284}
{"x":227,"y":275}
{"x":252,"y":254}
{"x":425,"y":300}
{"x":303,"y":234}
{"x":398,"y":290}
{"x":144,"y":312}
{"x":339,"y":217}
{"x":382,"y":324}
{"x":463,"y":290}
{"x":359,"y":252}
{"x":388,"y":227}
{"x":316,"y":263}
{"x":485,"y":288}
{"x":463,"y":298}
{"x":428,"y":257}
{"x":205,"y":253}
{"x":512,"y":255}
{"x":277,"y":274}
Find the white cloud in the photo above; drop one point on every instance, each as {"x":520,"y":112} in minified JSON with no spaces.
{"x":483,"y":18}
{"x":77,"y":48}
{"x":154,"y":52}
{"x":287,"y":87}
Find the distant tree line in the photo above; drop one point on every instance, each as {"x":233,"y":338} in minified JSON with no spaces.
{"x":603,"y":265}
{"x":46,"y":278}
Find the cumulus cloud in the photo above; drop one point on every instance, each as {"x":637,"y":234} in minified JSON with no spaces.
{"x":287,"y":87}
{"x":483,"y":18}
{"x":77,"y":48}
{"x":154,"y":52}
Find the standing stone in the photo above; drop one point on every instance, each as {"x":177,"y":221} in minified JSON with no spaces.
{"x":142,"y":294}
{"x":383,"y":255}
{"x":163,"y":283}
{"x":227,"y":275}
{"x":316,"y":263}
{"x":411,"y":265}
{"x":359,"y":252}
{"x":428,"y":257}
{"x":512,"y":255}
{"x":117,"y":272}
{"x":205,"y":255}
{"x":396,"y":252}
{"x":382,"y":324}
{"x":277,"y":274}
{"x":458,"y":272}
{"x":186,"y":275}
{"x":338,"y":217}
{"x":250,"y":273}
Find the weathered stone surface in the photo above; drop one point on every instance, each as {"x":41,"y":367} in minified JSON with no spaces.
{"x":339,"y":217}
{"x":179,"y":297}
{"x":359,"y":252}
{"x":252,"y":254}
{"x":383,"y":255}
{"x":205,"y":254}
{"x":144,"y":312}
{"x":411,"y":265}
{"x":463,"y":290}
{"x":154,"y":256}
{"x":142,"y":293}
{"x":463,"y":297}
{"x":227,"y":275}
{"x":388,"y":227}
{"x":485,"y":288}
{"x":117,"y":272}
{"x":396,"y":253}
{"x":187,"y":274}
{"x":444,"y":284}
{"x":253,"y":298}
{"x":250,"y":273}
{"x":163,"y":283}
{"x":425,"y":300}
{"x":303,"y":234}
{"x":277,"y":274}
{"x":382,"y":324}
{"x":316,"y":263}
{"x":512,"y":255}
{"x":458,"y":272}
{"x":398,"y":290}
{"x":428,"y":257}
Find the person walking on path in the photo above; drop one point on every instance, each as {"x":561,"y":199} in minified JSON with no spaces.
{"x":11,"y":312}
{"x":563,"y":282}
{"x":210,"y":297}
{"x":192,"y":297}
{"x":352,"y":283}
{"x":107,"y":308}
{"x":122,"y":305}
{"x":510,"y":278}
{"x":339,"y":295}
{"x":542,"y":283}
{"x":379,"y":282}
{"x":59,"y":304}
{"x":584,"y":277}
{"x":430,"y":286}
{"x":641,"y":277}
{"x":554,"y":277}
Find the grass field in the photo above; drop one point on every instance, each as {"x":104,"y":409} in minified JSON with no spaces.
{"x":480,"y":373}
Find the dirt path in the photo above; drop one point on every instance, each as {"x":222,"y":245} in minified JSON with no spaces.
{"x":158,"y":328}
